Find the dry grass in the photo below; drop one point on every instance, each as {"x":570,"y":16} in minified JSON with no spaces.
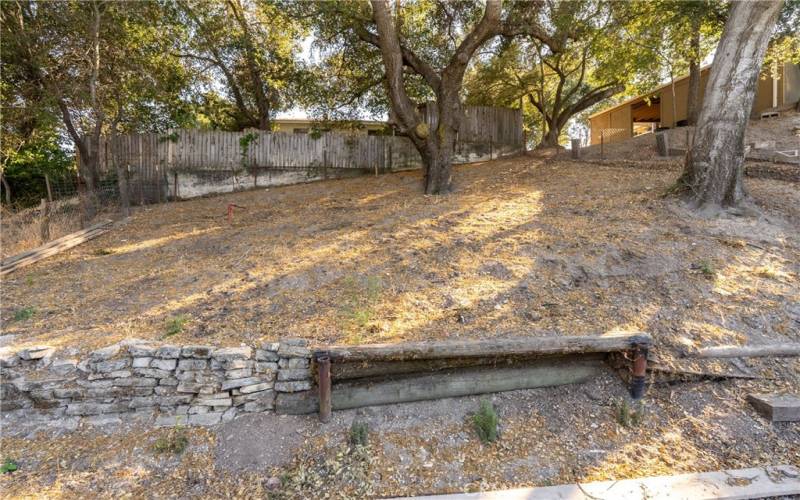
{"x":527,"y":246}
{"x":21,"y":230}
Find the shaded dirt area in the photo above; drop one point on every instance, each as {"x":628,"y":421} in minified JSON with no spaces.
{"x":525,"y":246}
{"x":547,"y":436}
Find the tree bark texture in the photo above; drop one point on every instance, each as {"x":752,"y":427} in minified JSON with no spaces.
{"x":715,"y":163}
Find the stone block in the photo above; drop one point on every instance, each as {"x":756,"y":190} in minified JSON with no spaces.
{"x":64,"y":366}
{"x":191,"y":387}
{"x":8,"y":360}
{"x":293,"y":374}
{"x":164,"y":390}
{"x":229,"y":415}
{"x":240,"y":373}
{"x":142,"y":402}
{"x":37,"y":352}
{"x":110,"y":365}
{"x":264,"y":355}
{"x":95,"y":384}
{"x":213,"y":402}
{"x":141,"y":362}
{"x":256,"y":388}
{"x":142,"y":350}
{"x":86,"y":409}
{"x":139,"y":391}
{"x":212,"y":418}
{"x":266,"y":367}
{"x":135,"y":382}
{"x":192,"y":364}
{"x":196,"y":351}
{"x":293,"y":386}
{"x":170,"y":381}
{"x":7,"y":405}
{"x":68,"y":393}
{"x":271,"y":346}
{"x":239,"y":382}
{"x":168,"y":352}
{"x":152,"y":372}
{"x":175,"y":400}
{"x":194,"y":410}
{"x":231,"y":353}
{"x":294,"y":363}
{"x":164,"y":364}
{"x":294,"y":348}
{"x":105,"y":353}
{"x":259,"y":406}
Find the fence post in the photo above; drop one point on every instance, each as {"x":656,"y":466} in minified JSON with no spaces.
{"x":124,"y":196}
{"x":576,"y":149}
{"x":602,"y":141}
{"x":49,"y":189}
{"x":44,"y":228}
{"x":662,"y":144}
{"x":175,"y":185}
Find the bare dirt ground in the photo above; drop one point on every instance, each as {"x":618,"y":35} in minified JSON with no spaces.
{"x":547,"y":436}
{"x":525,"y":246}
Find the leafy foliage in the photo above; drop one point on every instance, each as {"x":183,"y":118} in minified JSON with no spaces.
{"x":8,"y":466}
{"x":175,"y":325}
{"x":485,"y":421}
{"x":24,"y":314}
{"x":358,"y":434}
{"x":174,"y":442}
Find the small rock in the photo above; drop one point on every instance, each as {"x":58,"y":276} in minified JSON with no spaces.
{"x":105,"y":353}
{"x":37,"y":352}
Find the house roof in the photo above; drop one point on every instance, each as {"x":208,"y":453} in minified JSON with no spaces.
{"x":646,"y":94}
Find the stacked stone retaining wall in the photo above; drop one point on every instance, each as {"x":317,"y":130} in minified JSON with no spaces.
{"x":190,"y":385}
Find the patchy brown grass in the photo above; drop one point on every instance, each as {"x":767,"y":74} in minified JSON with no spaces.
{"x":526,"y":246}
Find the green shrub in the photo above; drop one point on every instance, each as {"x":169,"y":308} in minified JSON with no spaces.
{"x":24,"y":314}
{"x":359,"y":432}
{"x":8,"y":466}
{"x":629,"y":415}
{"x":175,"y":325}
{"x":175,"y":442}
{"x":485,"y":422}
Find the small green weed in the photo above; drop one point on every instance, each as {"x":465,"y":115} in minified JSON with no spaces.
{"x":24,"y":314}
{"x":358,"y":434}
{"x":485,"y":422}
{"x":29,"y":280}
{"x":8,"y":466}
{"x":175,"y":442}
{"x":175,"y":325}
{"x":103,"y":251}
{"x":705,"y":268}
{"x":358,"y":308}
{"x":629,"y":415}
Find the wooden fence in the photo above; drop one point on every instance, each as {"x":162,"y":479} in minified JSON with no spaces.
{"x":254,"y":158}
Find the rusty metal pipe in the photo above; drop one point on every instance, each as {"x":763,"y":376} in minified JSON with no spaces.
{"x":639,"y":373}
{"x":324,"y":372}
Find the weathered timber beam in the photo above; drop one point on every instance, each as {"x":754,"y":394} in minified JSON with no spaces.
{"x":515,"y":346}
{"x":732,"y":351}
{"x":452,"y":383}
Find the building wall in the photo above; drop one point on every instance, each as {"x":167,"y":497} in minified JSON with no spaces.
{"x":788,"y":94}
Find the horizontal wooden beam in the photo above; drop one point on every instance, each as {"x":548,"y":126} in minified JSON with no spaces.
{"x":487,"y":348}
{"x":448,"y":383}
{"x":753,"y":351}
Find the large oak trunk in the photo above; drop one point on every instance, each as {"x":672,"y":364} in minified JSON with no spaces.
{"x":715,"y":163}
{"x":693,"y":97}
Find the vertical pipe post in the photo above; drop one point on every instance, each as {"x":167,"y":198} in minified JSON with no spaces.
{"x":639,"y":373}
{"x":324,"y":372}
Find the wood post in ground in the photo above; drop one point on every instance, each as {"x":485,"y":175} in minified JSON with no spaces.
{"x":662,"y":144}
{"x":576,"y":149}
{"x":175,"y":185}
{"x":44,"y":228}
{"x":602,"y":141}
{"x":49,"y":189}
{"x":124,"y":196}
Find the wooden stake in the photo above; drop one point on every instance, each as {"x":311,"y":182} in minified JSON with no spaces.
{"x":44,"y":228}
{"x":49,"y":190}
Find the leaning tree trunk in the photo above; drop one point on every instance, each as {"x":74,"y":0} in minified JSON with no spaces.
{"x":715,"y":163}
{"x":550,"y":139}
